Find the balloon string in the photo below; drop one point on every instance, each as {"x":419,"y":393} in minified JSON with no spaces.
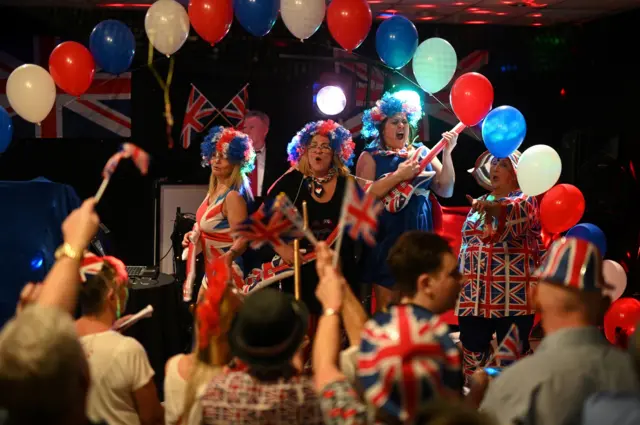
{"x":165,"y":88}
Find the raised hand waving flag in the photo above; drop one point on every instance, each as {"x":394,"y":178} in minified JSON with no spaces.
{"x":267,"y":225}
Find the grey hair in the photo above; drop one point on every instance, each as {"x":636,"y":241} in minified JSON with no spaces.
{"x":41,"y":365}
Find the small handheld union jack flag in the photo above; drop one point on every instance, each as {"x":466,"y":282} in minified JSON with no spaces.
{"x":360,"y":213}
{"x":198,"y":108}
{"x":128,"y":150}
{"x":267,"y":225}
{"x":286,"y":207}
{"x":510,"y":349}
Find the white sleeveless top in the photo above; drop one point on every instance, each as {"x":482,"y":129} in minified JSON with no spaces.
{"x":174,"y":390}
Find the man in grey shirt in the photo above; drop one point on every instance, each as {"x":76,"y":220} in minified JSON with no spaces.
{"x":574,"y":360}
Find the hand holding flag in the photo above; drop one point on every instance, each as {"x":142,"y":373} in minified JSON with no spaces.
{"x":509,"y":350}
{"x":286,"y":207}
{"x":128,"y":150}
{"x":267,"y":225}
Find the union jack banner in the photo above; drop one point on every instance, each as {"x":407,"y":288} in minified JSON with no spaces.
{"x":198,"y":108}
{"x":267,"y":225}
{"x":510,"y":349}
{"x":104,"y":111}
{"x":407,"y":358}
{"x":237,"y":107}
{"x":375,"y":86}
{"x":360,"y":212}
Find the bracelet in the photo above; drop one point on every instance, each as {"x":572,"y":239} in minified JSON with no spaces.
{"x":330,"y":312}
{"x":66,"y":250}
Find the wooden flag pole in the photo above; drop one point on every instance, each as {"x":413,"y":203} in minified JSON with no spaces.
{"x":296,"y":253}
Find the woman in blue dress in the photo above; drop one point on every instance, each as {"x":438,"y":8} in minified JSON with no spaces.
{"x":387,"y":162}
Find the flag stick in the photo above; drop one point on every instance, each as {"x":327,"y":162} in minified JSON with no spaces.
{"x":219,"y":111}
{"x":101,"y":190}
{"x":343,"y":212}
{"x":296,"y":252}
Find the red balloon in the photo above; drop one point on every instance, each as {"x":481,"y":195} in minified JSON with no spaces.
{"x":621,"y":319}
{"x":471,"y":98}
{"x":72,"y":67}
{"x":211,"y":18}
{"x":349,"y":22}
{"x":561,"y":208}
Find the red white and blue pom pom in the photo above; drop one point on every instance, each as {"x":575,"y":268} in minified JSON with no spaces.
{"x":339,"y":138}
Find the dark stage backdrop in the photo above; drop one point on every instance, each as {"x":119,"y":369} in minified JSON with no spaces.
{"x":575,"y":85}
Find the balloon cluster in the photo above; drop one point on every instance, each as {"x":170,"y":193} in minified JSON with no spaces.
{"x":31,"y":89}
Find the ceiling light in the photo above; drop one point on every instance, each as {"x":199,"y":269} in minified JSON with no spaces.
{"x":476,"y":22}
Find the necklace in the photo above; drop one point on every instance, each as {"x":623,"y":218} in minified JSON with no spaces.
{"x":315,"y":185}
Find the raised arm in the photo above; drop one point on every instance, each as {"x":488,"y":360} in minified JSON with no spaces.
{"x":366,"y":169}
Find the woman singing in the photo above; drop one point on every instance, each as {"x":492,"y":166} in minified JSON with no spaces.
{"x":231,"y":157}
{"x":320,"y":153}
{"x":390,"y":124}
{"x":501,"y":249}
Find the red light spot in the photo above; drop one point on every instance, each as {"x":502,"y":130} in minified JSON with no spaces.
{"x":123,"y":5}
{"x":535,"y":15}
{"x":563,"y":92}
{"x":508,"y":3}
{"x":481,"y":12}
{"x":632,"y":170}
{"x":385,"y":16}
{"x":426,"y":18}
{"x":476,"y":22}
{"x":536,"y":24}
{"x":390,"y":11}
{"x":502,"y":13}
{"x":459,"y":3}
{"x":473,"y":9}
{"x":426,"y":6}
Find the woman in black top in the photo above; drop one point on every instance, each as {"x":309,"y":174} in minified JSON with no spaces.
{"x":319,"y":155}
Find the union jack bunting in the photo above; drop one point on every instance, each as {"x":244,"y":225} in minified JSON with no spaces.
{"x":498,"y":260}
{"x":360,"y":213}
{"x":407,"y":358}
{"x":510,"y":349}
{"x":104,"y":111}
{"x":375,"y":86}
{"x":237,"y":107}
{"x":575,"y":263}
{"x":198,"y":108}
{"x":267,"y":225}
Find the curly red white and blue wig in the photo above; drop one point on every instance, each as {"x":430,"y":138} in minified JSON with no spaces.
{"x":234,"y":145}
{"x":385,"y":108}
{"x":339,"y":138}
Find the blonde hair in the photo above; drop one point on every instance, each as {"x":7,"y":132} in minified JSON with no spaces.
{"x":238,"y":182}
{"x":209,"y":361}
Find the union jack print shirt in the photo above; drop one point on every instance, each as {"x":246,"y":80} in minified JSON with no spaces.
{"x":498,"y":260}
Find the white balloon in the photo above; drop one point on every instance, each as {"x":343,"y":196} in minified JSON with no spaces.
{"x":31,"y":92}
{"x":302,"y":17}
{"x":167,"y":26}
{"x":615,"y":276}
{"x":539,"y":169}
{"x":434,"y":64}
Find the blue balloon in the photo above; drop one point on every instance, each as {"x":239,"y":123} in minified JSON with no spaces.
{"x":503,"y":131}
{"x":112,"y":45}
{"x":6,"y":129}
{"x":257,"y":16}
{"x":592,"y":233}
{"x":396,"y":41}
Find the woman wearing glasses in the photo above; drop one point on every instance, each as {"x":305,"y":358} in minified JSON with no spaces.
{"x":319,"y":155}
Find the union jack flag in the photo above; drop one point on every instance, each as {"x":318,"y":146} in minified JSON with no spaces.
{"x":375,"y":86}
{"x":407,"y":358}
{"x":128,"y":150}
{"x":510,"y":349}
{"x":267,"y":225}
{"x":198,"y":108}
{"x":104,"y":111}
{"x":237,"y":107}
{"x":90,"y":266}
{"x":360,"y":213}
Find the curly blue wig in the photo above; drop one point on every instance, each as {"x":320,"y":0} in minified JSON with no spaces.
{"x":387,"y":107}
{"x":234,"y":145}
{"x":339,"y":137}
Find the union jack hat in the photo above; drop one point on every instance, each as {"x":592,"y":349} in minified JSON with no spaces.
{"x":481,"y":171}
{"x":574,"y":263}
{"x":406,"y":358}
{"x":91,"y":265}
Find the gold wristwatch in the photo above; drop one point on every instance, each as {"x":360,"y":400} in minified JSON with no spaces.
{"x":65,"y":250}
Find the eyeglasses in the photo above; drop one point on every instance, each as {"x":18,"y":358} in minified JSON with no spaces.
{"x":321,"y":148}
